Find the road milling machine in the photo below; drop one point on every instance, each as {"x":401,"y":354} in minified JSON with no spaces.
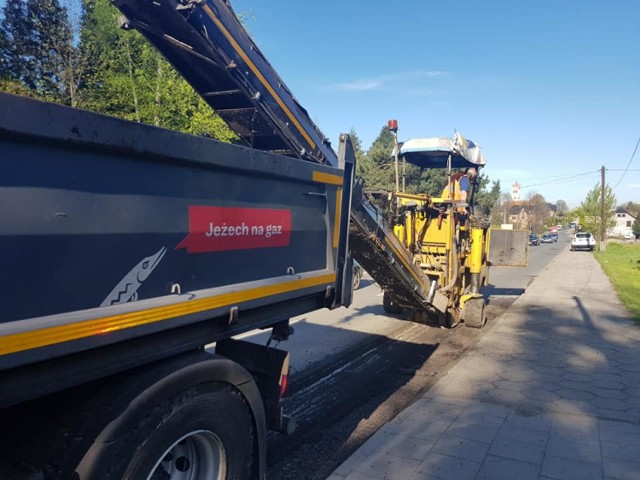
{"x":445,"y":241}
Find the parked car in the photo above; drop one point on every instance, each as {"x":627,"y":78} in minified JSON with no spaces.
{"x":583,"y":241}
{"x":554,"y":235}
{"x":547,"y":238}
{"x":629,"y":236}
{"x":534,"y":239}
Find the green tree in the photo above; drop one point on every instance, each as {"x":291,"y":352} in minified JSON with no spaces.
{"x":14,"y":34}
{"x":589,"y":211}
{"x":486,"y":198}
{"x":36,"y":43}
{"x":128,"y":78}
{"x":561,"y":208}
{"x":632,"y":208}
{"x":636,"y":227}
{"x":356,"y":142}
{"x":375,"y":166}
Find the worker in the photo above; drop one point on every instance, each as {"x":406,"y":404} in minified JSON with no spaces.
{"x":459,"y":185}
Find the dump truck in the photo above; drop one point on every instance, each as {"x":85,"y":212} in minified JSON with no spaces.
{"x":128,"y":249}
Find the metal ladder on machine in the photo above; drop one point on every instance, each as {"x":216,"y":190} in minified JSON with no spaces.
{"x":208,"y":46}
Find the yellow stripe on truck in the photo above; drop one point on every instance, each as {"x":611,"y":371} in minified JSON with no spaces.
{"x":19,"y":342}
{"x":257,"y":73}
{"x":328,"y":178}
{"x":336,"y":225}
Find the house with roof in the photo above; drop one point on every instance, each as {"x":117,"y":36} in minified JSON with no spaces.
{"x":624,"y":223}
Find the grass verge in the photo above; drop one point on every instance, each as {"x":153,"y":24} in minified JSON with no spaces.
{"x":621,"y":263}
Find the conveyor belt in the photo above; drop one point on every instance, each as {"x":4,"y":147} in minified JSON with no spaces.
{"x":374,"y":245}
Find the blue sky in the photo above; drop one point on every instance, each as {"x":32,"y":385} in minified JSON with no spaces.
{"x":550,"y":89}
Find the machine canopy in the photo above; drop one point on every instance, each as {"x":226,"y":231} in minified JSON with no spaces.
{"x":434,"y":152}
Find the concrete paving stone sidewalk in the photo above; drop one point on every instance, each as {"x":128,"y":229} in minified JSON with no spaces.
{"x":551,"y":391}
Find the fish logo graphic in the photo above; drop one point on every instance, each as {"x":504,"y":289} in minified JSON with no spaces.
{"x":127,"y":289}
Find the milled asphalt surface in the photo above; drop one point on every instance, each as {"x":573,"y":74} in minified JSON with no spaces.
{"x":551,"y":391}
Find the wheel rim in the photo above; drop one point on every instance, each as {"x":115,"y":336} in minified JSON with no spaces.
{"x":198,"y":455}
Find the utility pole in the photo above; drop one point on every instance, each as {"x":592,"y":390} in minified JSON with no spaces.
{"x":603,"y":245}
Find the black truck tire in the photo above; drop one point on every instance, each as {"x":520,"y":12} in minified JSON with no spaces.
{"x":389,"y":304}
{"x":205,"y":429}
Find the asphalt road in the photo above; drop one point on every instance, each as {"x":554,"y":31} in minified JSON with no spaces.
{"x":355,"y":369}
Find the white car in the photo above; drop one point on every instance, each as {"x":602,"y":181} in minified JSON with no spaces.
{"x":583,"y":241}
{"x":629,"y":236}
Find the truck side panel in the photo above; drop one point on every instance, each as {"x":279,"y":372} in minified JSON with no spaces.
{"x":105,"y":239}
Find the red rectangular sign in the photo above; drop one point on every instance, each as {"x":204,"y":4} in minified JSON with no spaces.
{"x":214,"y":229}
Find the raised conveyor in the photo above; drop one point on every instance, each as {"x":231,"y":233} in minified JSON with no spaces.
{"x":210,"y":48}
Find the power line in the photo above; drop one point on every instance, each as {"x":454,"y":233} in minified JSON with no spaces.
{"x":560,"y":176}
{"x":630,"y":160}
{"x":562,"y":179}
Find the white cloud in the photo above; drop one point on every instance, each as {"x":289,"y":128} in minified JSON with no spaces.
{"x":388,"y":80}
{"x":357,"y":86}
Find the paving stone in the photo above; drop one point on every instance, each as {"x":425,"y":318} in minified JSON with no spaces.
{"x":507,"y":396}
{"x":612,"y":431}
{"x":335,"y":476}
{"x":461,"y":447}
{"x":541,"y":394}
{"x":572,"y":394}
{"x":620,"y":469}
{"x":524,"y":435}
{"x":630,"y":367}
{"x":609,"y":384}
{"x":534,"y":422}
{"x":566,"y":406}
{"x":436,"y":409}
{"x":511,"y":385}
{"x":487,"y":408}
{"x":576,"y":377}
{"x":381,"y":437}
{"x":424,"y":430}
{"x":402,"y":446}
{"x":480,"y":418}
{"x":588,"y":452}
{"x":472,"y":431}
{"x":356,"y":476}
{"x":351,"y":463}
{"x":500,"y":468}
{"x":448,"y":467}
{"x":569,"y":469}
{"x":425,"y":476}
{"x":388,"y":466}
{"x":609,"y":393}
{"x":623,"y":448}
{"x":612,"y":377}
{"x":516,"y":450}
{"x":619,"y":415}
{"x":611,"y":403}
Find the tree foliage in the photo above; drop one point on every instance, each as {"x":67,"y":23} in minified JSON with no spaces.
{"x":73,"y":52}
{"x":589,"y":211}
{"x":561,"y":208}
{"x":36,"y":41}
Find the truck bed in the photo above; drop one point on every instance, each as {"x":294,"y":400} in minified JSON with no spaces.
{"x":112,"y":231}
